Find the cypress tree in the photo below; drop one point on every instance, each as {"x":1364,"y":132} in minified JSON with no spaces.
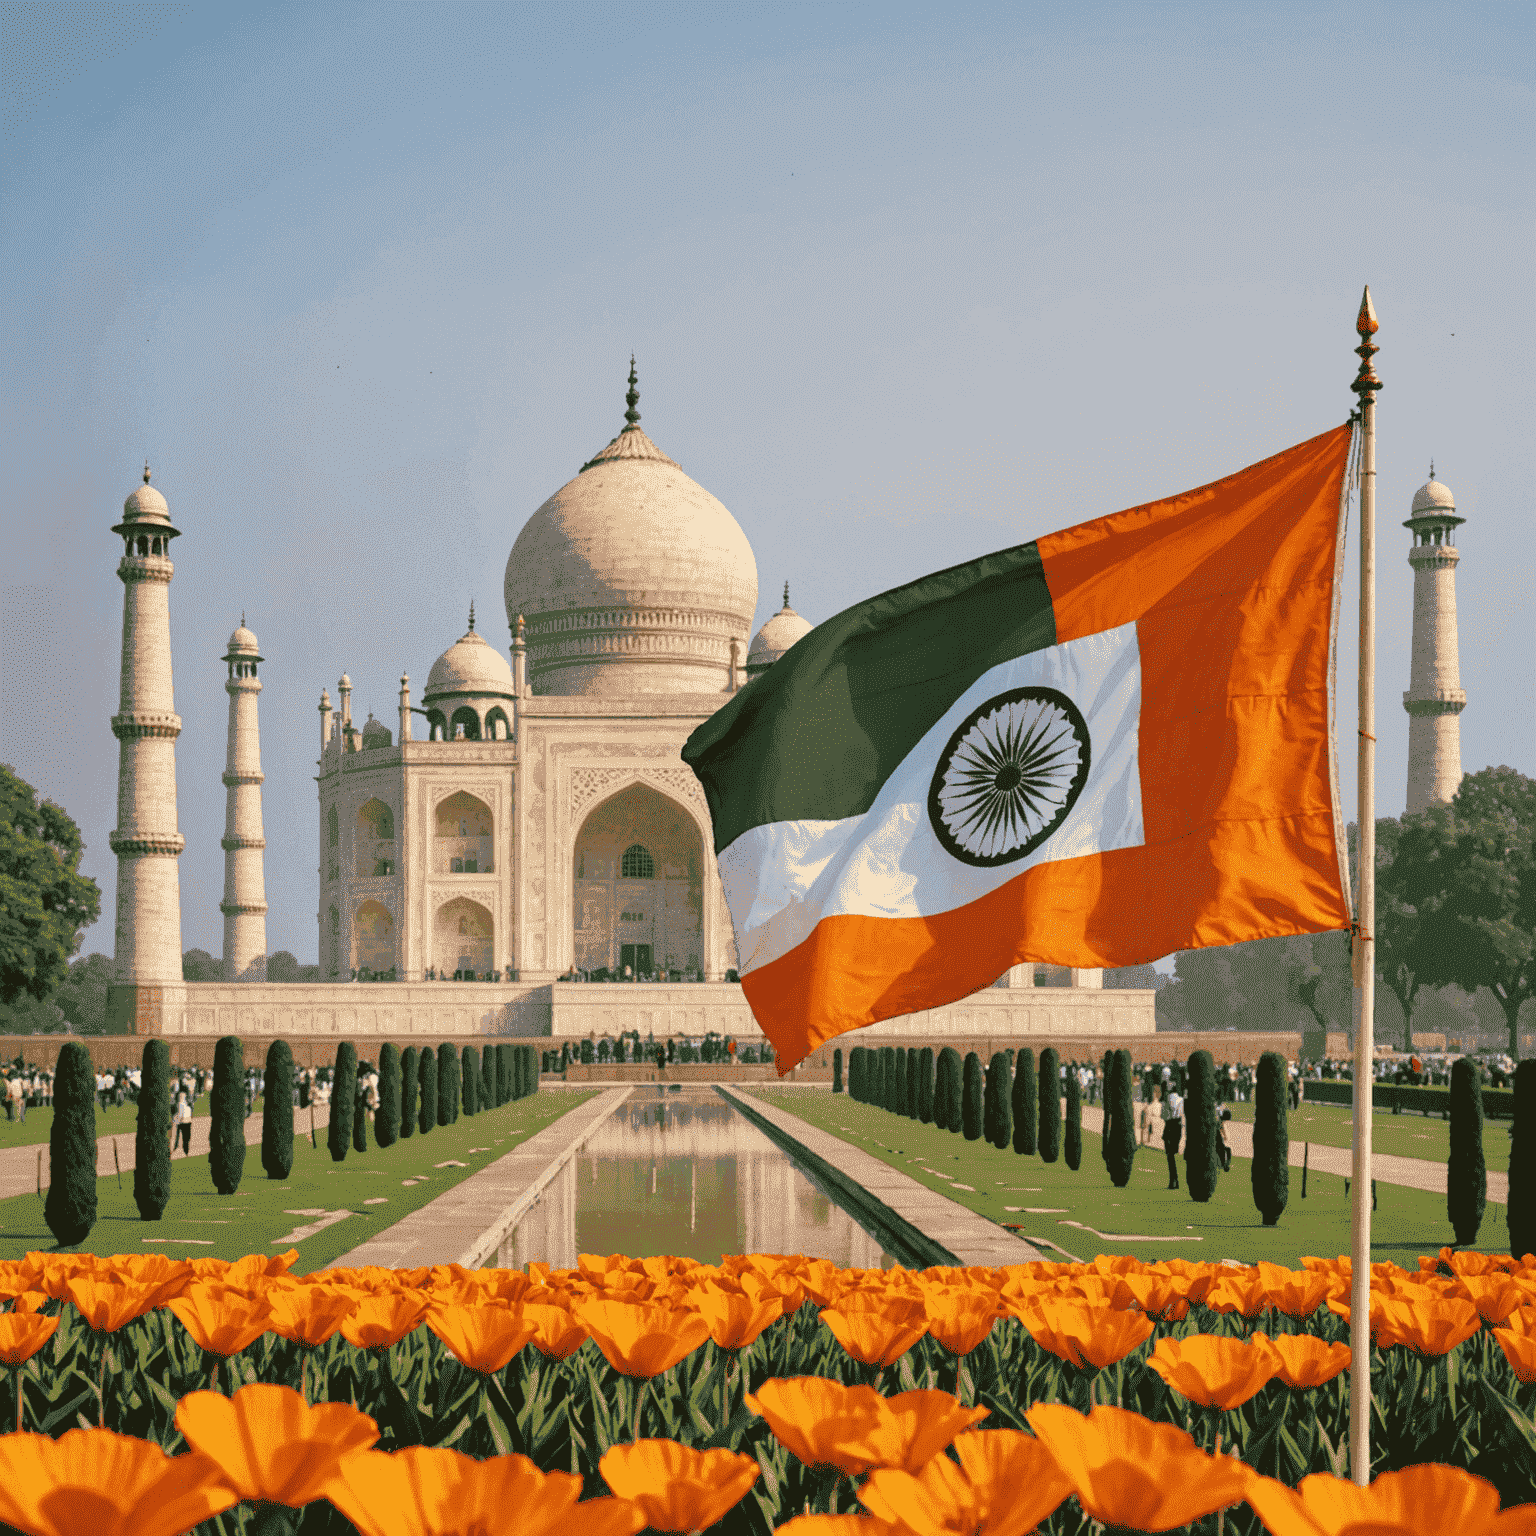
{"x":1107,"y":1072}
{"x":1521,"y":1213}
{"x":426,"y":1089}
{"x":954,"y":1090}
{"x":447,"y":1084}
{"x":837,"y":1071}
{"x":360,"y":1122}
{"x":887,"y":1077}
{"x":1050,"y":1105}
{"x":343,"y":1101}
{"x":519,"y":1071}
{"x":504,"y":1071}
{"x":876,"y":1088}
{"x":386,"y":1123}
{"x":971,"y":1091}
{"x":941,"y":1089}
{"x":1271,"y":1139}
{"x":1466,"y":1174}
{"x":998,"y":1091}
{"x":469,"y":1078}
{"x":1122,"y":1136}
{"x":856,"y":1073}
{"x":1072,"y":1135}
{"x":909,"y":1107}
{"x":226,"y":1105}
{"x":535,"y":1069}
{"x":1026,"y":1104}
{"x":277,"y":1111}
{"x":152,"y":1138}
{"x":1200,"y":1109}
{"x":69,"y":1207}
{"x":925,"y":1085}
{"x":410,"y":1083}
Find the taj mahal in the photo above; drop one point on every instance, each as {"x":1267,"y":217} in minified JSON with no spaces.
{"x":528,"y":830}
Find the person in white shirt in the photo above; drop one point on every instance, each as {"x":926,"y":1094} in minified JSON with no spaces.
{"x":181,"y":1125}
{"x":1171,"y":1108}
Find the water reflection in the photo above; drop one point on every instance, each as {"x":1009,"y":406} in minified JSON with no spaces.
{"x":680,"y":1171}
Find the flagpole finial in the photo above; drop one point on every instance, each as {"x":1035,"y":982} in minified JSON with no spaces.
{"x":1366,"y":382}
{"x":471,"y":615}
{"x":632,"y":397}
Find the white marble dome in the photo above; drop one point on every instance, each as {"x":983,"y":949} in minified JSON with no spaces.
{"x":631,"y":578}
{"x":775,"y":637}
{"x":470,"y":667}
{"x":243,"y":643}
{"x":146,"y":507}
{"x":1432,"y":496}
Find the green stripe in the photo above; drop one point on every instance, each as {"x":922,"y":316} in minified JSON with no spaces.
{"x":816,"y":735}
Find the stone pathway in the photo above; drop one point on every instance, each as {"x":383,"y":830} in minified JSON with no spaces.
{"x":21,"y":1168}
{"x":1410,"y":1172}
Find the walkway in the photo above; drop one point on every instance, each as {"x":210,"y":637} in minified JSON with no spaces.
{"x":1410,"y":1172}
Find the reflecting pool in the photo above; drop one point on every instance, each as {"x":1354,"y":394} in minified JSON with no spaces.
{"x":680,"y":1171}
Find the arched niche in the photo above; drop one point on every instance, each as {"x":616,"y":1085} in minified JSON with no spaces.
{"x":464,"y":724}
{"x":638,"y":887}
{"x":373,"y":937}
{"x":463,"y":836}
{"x":497,"y":726}
{"x":375,"y":839}
{"x":437,"y":725}
{"x":463,"y":938}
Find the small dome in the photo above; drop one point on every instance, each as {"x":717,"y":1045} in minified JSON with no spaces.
{"x":375,"y":734}
{"x":776,"y":637}
{"x":345,"y":683}
{"x":1433,"y":497}
{"x":243,"y":643}
{"x":470,"y":666}
{"x":146,"y":505}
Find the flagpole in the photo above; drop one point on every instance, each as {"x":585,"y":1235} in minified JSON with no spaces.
{"x":1365,"y":386}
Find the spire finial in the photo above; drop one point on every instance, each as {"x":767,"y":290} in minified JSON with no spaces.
{"x":242,"y":618}
{"x":471,"y":615}
{"x":786,"y":594}
{"x":1431,"y":469}
{"x":1366,"y":382}
{"x":632,"y":398}
{"x":146,"y":471}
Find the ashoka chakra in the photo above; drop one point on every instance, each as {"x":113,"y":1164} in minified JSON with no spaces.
{"x":1010,"y":774}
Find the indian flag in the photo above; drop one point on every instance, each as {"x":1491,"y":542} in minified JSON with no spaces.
{"x":1090,"y":750}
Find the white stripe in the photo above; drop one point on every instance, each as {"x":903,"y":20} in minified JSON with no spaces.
{"x":782,"y":879}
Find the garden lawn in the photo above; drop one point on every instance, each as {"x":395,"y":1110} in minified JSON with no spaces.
{"x":1082,"y":1214}
{"x":1426,"y":1136}
{"x":265,"y":1216}
{"x":109,"y":1122}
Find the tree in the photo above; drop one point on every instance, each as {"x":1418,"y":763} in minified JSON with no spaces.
{"x":997,"y":1119}
{"x":1399,"y":931}
{"x":469,"y":1073}
{"x":69,"y":1207}
{"x":409,"y":1083}
{"x":1470,"y":872}
{"x":82,"y":995}
{"x":1107,"y":1074}
{"x":44,"y":899}
{"x":426,"y":1079}
{"x":1072,"y":1137}
{"x":888,"y":1098}
{"x":1050,"y":1105}
{"x":226,"y":1106}
{"x":949,"y":1092}
{"x":1466,"y":1173}
{"x":1200,"y":1164}
{"x":909,"y":1099}
{"x":447,"y":1084}
{"x":1319,"y":976}
{"x":971,"y":1087}
{"x":504,"y":1072}
{"x":1026,"y":1104}
{"x":837,"y":1071}
{"x":856,"y":1074}
{"x":386,"y":1122}
{"x":872,"y":1071}
{"x":199,"y":965}
{"x":277,"y":1112}
{"x":152,"y":1133}
{"x":1121,"y":1151}
{"x":1521,"y":1213}
{"x":925,"y":1085}
{"x":343,"y":1101}
{"x":360,"y":1121}
{"x":1270,"y":1173}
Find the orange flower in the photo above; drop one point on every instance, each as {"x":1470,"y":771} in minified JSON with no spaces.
{"x":640,"y":1339}
{"x":376,"y":1322}
{"x":559,"y":1334}
{"x":483,"y":1338}
{"x":1519,"y":1349}
{"x":221,"y":1321}
{"x":1082,"y":1334}
{"x":1215,"y":1372}
{"x":839,"y":1525}
{"x":734,"y":1318}
{"x":960,"y":1319}
{"x":1414,"y":1501}
{"x":1159,"y":1296}
{"x":1005,"y":1485}
{"x":1304,"y":1361}
{"x":270,"y":1444}
{"x":675,"y":1487}
{"x":22,"y":1334}
{"x":94,"y":1482}
{"x":307,"y":1314}
{"x":1431,"y":1327}
{"x":435,"y":1491}
{"x":1494,"y":1296}
{"x":826,"y":1424}
{"x":877,"y":1337}
{"x":1241,"y":1291}
{"x":107,"y":1305}
{"x":1297,"y":1293}
{"x":1126,"y":1470}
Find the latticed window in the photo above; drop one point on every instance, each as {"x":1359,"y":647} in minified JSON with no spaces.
{"x":637,"y":864}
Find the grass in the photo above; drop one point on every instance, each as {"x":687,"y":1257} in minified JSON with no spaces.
{"x":264,"y":1216}
{"x":112,"y":1121}
{"x":1425,"y":1136}
{"x":1084,"y":1214}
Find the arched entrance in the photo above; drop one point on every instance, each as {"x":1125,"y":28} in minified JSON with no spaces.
{"x":638,"y":887}
{"x":373,"y":938}
{"x":463,"y":938}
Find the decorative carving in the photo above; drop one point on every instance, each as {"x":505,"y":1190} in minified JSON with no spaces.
{"x":591,"y":784}
{"x":132,"y":725}
{"x":128,"y":845}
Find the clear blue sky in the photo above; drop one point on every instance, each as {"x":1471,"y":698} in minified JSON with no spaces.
{"x":905,"y":284}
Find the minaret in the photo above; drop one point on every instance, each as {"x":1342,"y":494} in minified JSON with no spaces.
{"x":147,"y":952}
{"x":245,"y":898}
{"x":1434,"y":699}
